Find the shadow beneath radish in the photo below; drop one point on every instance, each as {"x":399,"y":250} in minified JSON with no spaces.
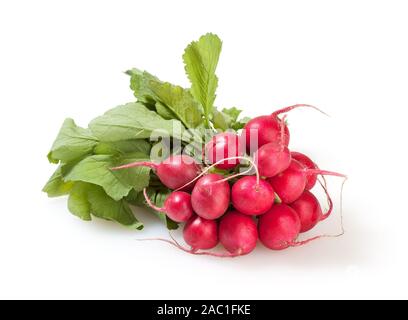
{"x":149,"y":220}
{"x":349,"y":251}
{"x":354,"y":249}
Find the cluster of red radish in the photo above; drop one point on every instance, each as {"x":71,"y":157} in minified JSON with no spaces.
{"x":274,"y":204}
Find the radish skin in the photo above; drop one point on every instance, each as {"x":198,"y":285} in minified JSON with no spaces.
{"x":238,"y":233}
{"x":251,"y":196}
{"x":290,"y":184}
{"x":267,"y":129}
{"x":309,"y":211}
{"x":224,"y":145}
{"x":177,"y":206}
{"x":308,"y":163}
{"x":279,"y":227}
{"x":211,"y":196}
{"x":200,"y":233}
{"x":272,"y":159}
{"x":174,"y":172}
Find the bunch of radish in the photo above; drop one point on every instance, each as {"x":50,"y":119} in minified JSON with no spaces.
{"x":227,"y":179}
{"x":271,"y":200}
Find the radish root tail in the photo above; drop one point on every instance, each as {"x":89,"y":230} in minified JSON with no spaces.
{"x":342,"y":232}
{"x":282,"y":132}
{"x":329,"y":200}
{"x":254,"y":166}
{"x":150,"y":203}
{"x":295,"y":106}
{"x":192,"y":251}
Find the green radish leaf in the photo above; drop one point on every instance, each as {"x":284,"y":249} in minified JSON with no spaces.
{"x":72,"y":142}
{"x":233,"y":113}
{"x":220,"y":120}
{"x":228,"y":119}
{"x":133,"y":121}
{"x":78,"y":203}
{"x":277,"y":199}
{"x":164,"y":111}
{"x":102,"y":206}
{"x":56,"y":186}
{"x":201,"y":60}
{"x":123,"y":147}
{"x":179,"y":101}
{"x":117,"y":184}
{"x":88,"y":199}
{"x":161,"y":150}
{"x":240,"y":124}
{"x":134,"y":198}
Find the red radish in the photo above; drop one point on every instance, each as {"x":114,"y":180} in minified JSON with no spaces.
{"x":279,"y":227}
{"x":207,"y":169}
{"x":252,"y":196}
{"x":174,"y":172}
{"x":224,"y":145}
{"x":238,"y":233}
{"x":290,"y":184}
{"x":278,"y":230}
{"x":267,"y":129}
{"x":177,"y":206}
{"x":308,"y":163}
{"x":201,"y":233}
{"x":272,"y":158}
{"x":211,"y":197}
{"x":308,"y":209}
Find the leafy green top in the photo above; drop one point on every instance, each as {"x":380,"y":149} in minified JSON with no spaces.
{"x":181,"y":104}
{"x":201,"y":60}
{"x":121,"y":135}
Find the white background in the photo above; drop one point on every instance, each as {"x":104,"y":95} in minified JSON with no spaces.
{"x":65,"y":59}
